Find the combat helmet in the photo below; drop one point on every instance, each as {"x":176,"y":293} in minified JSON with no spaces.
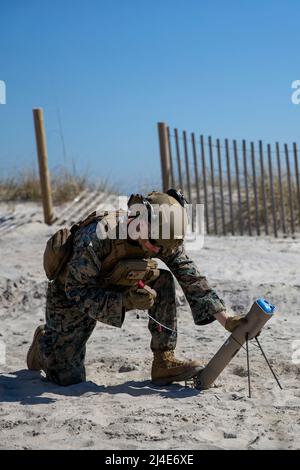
{"x":167,"y":217}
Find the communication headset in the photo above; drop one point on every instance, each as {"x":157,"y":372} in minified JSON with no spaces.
{"x":140,"y":199}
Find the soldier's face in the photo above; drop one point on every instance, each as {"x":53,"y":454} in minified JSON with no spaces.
{"x":141,"y":230}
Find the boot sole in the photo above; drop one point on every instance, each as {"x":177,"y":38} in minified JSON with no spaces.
{"x":30,"y":355}
{"x":178,"y":378}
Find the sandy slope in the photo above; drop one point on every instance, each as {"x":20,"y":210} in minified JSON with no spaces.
{"x":118,"y":407}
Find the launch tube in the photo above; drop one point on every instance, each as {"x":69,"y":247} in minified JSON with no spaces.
{"x":260,"y":312}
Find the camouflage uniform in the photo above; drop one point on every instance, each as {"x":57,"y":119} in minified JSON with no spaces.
{"x":76,"y":301}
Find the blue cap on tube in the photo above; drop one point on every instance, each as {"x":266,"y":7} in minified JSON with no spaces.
{"x":266,"y":306}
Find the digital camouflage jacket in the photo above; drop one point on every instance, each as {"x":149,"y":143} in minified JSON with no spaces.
{"x":83,"y":291}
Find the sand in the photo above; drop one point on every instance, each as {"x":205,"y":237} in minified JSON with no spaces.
{"x":118,"y":407}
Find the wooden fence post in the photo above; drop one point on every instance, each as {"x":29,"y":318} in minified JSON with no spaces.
{"x":237,"y":174}
{"x":178,"y":159}
{"x":246,"y":186}
{"x":41,"y":145}
{"x":196,"y":169}
{"x":255,"y":188}
{"x":171,"y":158}
{"x":297,"y":178}
{"x":221,"y":185}
{"x":229,"y":185}
{"x":263,"y":187}
{"x":272,"y":191}
{"x":289,"y":180}
{"x":164,"y":155}
{"x":281,"y":199}
{"x":187,"y":168}
{"x":212,"y":178}
{"x":204,"y":183}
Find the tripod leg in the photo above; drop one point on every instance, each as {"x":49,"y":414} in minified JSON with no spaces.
{"x":248,"y":365}
{"x":266,"y":359}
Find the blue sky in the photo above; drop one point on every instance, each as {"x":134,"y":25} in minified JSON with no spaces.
{"x":114,"y":68}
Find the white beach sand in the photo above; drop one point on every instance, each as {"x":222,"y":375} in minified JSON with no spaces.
{"x":118,"y":407}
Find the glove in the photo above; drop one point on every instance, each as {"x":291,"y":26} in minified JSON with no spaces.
{"x":233,"y":322}
{"x":141,"y":299}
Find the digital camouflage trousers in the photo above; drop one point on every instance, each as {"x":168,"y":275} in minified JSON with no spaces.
{"x":67,"y":330}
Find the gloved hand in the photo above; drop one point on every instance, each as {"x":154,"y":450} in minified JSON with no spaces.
{"x":141,"y":299}
{"x":233,"y":322}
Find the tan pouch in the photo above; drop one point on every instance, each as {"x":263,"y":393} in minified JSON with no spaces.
{"x":57,"y":252}
{"x":59,"y":247}
{"x":127,"y":272}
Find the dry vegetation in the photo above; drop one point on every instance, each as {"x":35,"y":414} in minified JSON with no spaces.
{"x":25,"y":185}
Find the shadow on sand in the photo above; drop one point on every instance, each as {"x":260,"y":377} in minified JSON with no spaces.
{"x":31,"y":388}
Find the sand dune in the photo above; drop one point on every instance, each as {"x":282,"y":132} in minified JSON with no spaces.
{"x":118,"y":407}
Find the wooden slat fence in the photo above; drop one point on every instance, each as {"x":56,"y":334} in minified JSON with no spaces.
{"x":247,"y":188}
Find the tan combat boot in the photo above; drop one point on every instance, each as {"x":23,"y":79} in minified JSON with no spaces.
{"x":167,"y":369}
{"x":34,"y":360}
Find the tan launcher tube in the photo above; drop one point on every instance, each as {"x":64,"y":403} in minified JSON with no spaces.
{"x":260,"y":312}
